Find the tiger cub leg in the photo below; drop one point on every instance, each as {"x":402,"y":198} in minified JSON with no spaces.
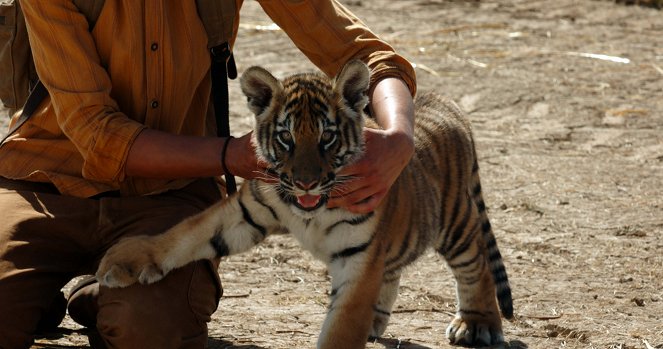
{"x":356,"y":285}
{"x":386,"y":300}
{"x":477,"y":321}
{"x":225,"y":228}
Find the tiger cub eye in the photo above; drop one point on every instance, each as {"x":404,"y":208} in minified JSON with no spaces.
{"x":285,"y":136}
{"x":327,"y":136}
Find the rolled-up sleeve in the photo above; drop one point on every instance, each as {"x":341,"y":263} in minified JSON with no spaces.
{"x":330,"y":35}
{"x":68,"y":65}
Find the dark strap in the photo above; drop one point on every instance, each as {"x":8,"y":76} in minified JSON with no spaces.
{"x":223,"y":68}
{"x":34,"y":99}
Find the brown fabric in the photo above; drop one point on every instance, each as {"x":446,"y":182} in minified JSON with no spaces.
{"x":218,"y":17}
{"x":17,"y":71}
{"x":46,"y":239}
{"x":105,"y":90}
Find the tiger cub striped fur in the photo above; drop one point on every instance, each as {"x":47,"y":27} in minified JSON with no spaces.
{"x":307,"y":128}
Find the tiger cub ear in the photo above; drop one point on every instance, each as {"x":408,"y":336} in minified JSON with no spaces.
{"x":352,"y":83}
{"x":260,"y":88}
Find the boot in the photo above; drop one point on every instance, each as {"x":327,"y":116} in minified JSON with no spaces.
{"x":82,"y":304}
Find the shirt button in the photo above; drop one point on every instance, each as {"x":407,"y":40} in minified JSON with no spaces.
{"x":154,"y":46}
{"x":154,"y":104}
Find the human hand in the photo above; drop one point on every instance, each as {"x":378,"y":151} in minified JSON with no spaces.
{"x":242,"y":161}
{"x":386,"y":154}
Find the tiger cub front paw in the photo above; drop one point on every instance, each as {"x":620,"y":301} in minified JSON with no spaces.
{"x":131,"y":260}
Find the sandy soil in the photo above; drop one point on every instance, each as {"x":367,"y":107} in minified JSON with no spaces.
{"x":566,"y":100}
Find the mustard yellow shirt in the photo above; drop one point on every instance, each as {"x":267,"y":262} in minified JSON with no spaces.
{"x":146,"y":65}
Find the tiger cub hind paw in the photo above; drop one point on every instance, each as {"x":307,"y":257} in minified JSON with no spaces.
{"x":380,"y":322}
{"x":473,"y":332}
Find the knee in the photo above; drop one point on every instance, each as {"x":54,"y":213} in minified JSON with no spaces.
{"x":172,"y":313}
{"x":128,"y":326}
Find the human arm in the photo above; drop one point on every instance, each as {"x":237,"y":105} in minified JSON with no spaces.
{"x":126,"y":115}
{"x":388,"y":150}
{"x":330,"y":36}
{"x":156,"y":154}
{"x":69,"y":66}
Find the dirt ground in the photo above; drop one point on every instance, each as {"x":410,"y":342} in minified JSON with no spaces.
{"x":566,"y":99}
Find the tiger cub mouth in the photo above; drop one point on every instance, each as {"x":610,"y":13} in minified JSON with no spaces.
{"x":308,"y":202}
{"x":305,"y":202}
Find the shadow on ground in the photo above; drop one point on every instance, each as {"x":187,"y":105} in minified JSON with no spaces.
{"x":218,"y":343}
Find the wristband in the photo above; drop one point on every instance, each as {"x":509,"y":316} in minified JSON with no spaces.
{"x":223,"y":156}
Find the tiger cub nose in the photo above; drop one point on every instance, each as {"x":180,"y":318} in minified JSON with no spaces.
{"x":306,"y":186}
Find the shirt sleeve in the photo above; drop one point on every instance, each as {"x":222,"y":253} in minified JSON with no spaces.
{"x":330,"y":36}
{"x":69,"y":66}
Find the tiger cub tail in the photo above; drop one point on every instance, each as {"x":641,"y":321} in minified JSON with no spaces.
{"x":497,"y":269}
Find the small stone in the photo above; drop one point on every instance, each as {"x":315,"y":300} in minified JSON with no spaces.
{"x":638,"y":301}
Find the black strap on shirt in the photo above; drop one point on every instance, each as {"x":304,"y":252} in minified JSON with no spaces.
{"x":35,"y":98}
{"x":223,"y":68}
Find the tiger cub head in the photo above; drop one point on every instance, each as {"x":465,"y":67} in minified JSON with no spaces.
{"x":307,"y":128}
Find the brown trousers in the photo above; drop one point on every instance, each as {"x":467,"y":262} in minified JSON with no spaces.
{"x":47,"y":239}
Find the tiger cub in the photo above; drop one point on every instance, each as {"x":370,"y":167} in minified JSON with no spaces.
{"x":307,"y":129}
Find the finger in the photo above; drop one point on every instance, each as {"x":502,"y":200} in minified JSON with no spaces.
{"x":262,"y":163}
{"x":368,"y":205}
{"x":358,"y":167}
{"x":348,"y":186}
{"x":352,"y":198}
{"x":348,"y":171}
